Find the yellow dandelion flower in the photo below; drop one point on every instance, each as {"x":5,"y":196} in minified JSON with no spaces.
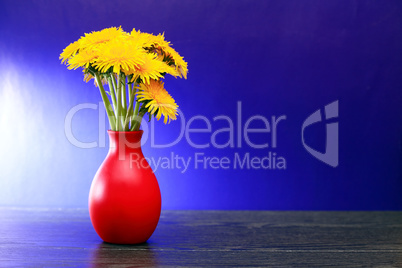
{"x":142,"y":39}
{"x":152,"y":43}
{"x":150,"y":68}
{"x":160,"y":42}
{"x":157,"y":44}
{"x":93,"y":39}
{"x":88,"y":77}
{"x":122,"y":56}
{"x":180,"y":64}
{"x":69,"y":51}
{"x":83,"y":59}
{"x":172,"y":71}
{"x":158,"y":101}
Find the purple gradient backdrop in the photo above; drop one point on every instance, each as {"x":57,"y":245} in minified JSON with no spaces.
{"x":276,"y":57}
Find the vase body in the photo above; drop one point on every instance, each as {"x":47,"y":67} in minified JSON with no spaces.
{"x":125,"y":200}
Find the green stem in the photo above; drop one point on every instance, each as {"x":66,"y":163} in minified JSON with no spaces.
{"x":136,"y":109}
{"x":112,"y":92}
{"x":123,"y":111}
{"x":112,"y":85}
{"x":137,"y":122}
{"x":114,"y":82}
{"x":124,"y":93}
{"x":130,"y":88}
{"x":118,"y":106}
{"x":106,"y":102}
{"x":130,"y":108}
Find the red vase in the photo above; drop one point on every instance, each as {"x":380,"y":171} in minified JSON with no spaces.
{"x":125,"y":200}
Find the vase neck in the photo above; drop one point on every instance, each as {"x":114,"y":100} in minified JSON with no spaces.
{"x":127,"y":140}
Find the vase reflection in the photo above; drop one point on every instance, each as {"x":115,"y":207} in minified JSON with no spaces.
{"x":107,"y":255}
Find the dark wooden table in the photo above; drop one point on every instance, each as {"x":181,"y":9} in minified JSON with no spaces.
{"x":52,"y":238}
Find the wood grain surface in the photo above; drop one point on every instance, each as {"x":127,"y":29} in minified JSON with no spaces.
{"x":65,"y":238}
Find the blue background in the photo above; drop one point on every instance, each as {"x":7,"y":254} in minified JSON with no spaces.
{"x":276,"y":57}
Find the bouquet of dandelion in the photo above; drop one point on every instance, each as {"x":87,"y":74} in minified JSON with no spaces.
{"x":133,"y":66}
